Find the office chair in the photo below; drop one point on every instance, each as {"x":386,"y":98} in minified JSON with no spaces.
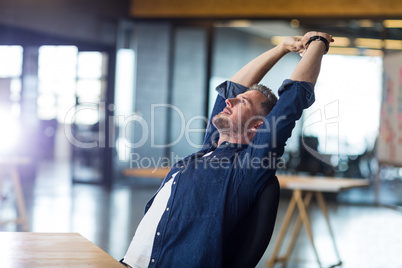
{"x":250,"y":238}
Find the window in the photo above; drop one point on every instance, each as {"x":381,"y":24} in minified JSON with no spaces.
{"x":10,"y":78}
{"x":57,"y":81}
{"x":345,"y":116}
{"x":10,"y":95}
{"x":68,"y":77}
{"x":90,"y":83}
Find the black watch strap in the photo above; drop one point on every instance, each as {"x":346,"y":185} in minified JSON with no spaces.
{"x":318,"y":38}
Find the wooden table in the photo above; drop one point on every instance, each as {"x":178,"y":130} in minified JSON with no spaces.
{"x":300,"y":186}
{"x":43,"y":250}
{"x":308,"y":186}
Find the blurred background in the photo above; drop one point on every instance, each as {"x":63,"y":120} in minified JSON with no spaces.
{"x":91,"y":89}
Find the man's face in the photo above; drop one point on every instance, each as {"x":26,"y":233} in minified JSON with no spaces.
{"x":241,"y":114}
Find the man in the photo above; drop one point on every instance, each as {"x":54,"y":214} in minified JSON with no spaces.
{"x":189,"y":219}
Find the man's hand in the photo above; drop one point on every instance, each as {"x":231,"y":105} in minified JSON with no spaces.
{"x":307,"y":36}
{"x":293,"y":44}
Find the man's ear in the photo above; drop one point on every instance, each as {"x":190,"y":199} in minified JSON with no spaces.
{"x":256,"y":125}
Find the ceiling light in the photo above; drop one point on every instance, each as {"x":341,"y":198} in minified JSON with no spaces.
{"x":370,"y":43}
{"x":366,"y":23}
{"x":234,"y":23}
{"x":349,"y":51}
{"x":294,"y":23}
{"x":379,"y":44}
{"x":393,"y":44}
{"x":341,"y":42}
{"x":344,"y":51}
{"x":393,"y":23}
{"x":373,"y":53}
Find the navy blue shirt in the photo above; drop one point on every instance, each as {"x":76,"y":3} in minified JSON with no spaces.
{"x":210,"y":194}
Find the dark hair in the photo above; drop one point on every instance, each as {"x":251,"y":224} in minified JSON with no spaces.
{"x":269,"y":104}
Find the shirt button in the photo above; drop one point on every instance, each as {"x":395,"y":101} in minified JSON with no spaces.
{"x":153,"y":260}
{"x":158,"y":233}
{"x":167,"y":209}
{"x":174,"y":182}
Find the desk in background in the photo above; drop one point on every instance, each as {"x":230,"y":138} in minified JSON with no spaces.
{"x":41,"y":250}
{"x":308,"y":186}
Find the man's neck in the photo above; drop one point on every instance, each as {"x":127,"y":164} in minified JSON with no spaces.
{"x":232,"y":139}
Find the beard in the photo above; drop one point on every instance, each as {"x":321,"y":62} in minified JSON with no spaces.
{"x":224,"y":124}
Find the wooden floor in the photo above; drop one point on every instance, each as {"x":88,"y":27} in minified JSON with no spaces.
{"x":367,"y":236}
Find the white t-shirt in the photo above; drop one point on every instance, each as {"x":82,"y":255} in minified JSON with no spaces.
{"x":139,"y":252}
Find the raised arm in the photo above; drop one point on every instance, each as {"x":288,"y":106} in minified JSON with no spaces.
{"x":256,"y":69}
{"x":309,"y":66}
{"x":295,"y":95}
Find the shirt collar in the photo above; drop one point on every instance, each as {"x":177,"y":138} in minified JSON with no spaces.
{"x":227,"y":145}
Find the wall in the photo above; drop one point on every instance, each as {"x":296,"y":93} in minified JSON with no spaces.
{"x":153,"y":55}
{"x":87,"y":20}
{"x":188,"y":94}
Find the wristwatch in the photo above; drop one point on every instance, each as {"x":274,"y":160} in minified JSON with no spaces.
{"x":318,"y":38}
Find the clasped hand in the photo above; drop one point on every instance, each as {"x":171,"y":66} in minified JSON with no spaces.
{"x":297,"y":43}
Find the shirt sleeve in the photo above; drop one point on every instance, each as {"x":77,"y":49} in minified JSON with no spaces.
{"x":294,"y":97}
{"x":226,"y":90}
{"x":261,"y":156}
